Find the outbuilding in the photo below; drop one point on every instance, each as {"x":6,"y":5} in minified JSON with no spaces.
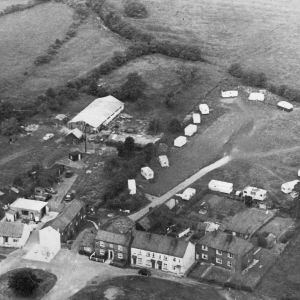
{"x":147,"y":173}
{"x":286,"y":106}
{"x":196,"y":118}
{"x":204,"y":109}
{"x":288,"y":187}
{"x":163,"y":161}
{"x":75,"y":155}
{"x":50,"y":240}
{"x":180,"y":141}
{"x":229,"y":94}
{"x":131,"y":186}
{"x":190,"y":129}
{"x":255,"y":193}
{"x":13,"y":234}
{"x":220,"y":186}
{"x":256,"y":97}
{"x":188,"y":194}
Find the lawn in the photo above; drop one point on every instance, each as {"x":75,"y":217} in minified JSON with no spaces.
{"x":7,"y":3}
{"x":48,"y":280}
{"x":138,"y":288}
{"x":28,"y":34}
{"x":261,"y":35}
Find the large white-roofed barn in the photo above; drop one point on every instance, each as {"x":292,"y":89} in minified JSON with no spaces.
{"x":97,"y":114}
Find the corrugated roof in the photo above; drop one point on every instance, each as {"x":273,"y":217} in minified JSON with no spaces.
{"x":225,"y":242}
{"x":10,"y":229}
{"x":22,"y":203}
{"x":98,"y":111}
{"x":66,"y":216}
{"x":113,"y":238}
{"x":159,"y":243}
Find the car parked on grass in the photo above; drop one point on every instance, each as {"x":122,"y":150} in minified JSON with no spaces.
{"x":48,"y":136}
{"x":144,"y":272}
{"x":69,"y":173}
{"x":69,"y":196}
{"x":51,"y":190}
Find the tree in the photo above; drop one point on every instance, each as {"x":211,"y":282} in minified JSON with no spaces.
{"x":18,"y":181}
{"x":174,"y":126}
{"x":128,"y":147}
{"x":154,"y":126}
{"x":50,"y":93}
{"x":261,"y":240}
{"x":6,"y":110}
{"x":136,"y":10}
{"x":23,"y":282}
{"x":9,"y":126}
{"x":93,"y":88}
{"x":149,"y":152}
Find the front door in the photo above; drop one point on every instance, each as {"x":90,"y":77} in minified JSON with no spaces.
{"x":153,"y":263}
{"x":110,"y":254}
{"x":159,"y":265}
{"x":134,"y":260}
{"x":5,"y":239}
{"x":31,"y":216}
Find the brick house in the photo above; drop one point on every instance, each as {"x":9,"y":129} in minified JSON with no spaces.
{"x":225,"y":250}
{"x":113,"y":246}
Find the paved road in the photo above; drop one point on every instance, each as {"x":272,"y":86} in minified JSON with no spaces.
{"x":160,"y":200}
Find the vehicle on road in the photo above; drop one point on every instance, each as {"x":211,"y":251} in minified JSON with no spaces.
{"x":70,"y":196}
{"x":51,"y":190}
{"x":48,"y":136}
{"x":144,"y":272}
{"x":69,"y":173}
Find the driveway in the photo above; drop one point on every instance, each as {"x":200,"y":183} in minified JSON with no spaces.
{"x":160,"y":200}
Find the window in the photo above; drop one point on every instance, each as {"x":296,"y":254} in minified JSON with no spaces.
{"x":120,"y":248}
{"x":219,"y":252}
{"x":15,"y":240}
{"x":165,"y":266}
{"x":218,"y":260}
{"x":111,"y":245}
{"x":204,"y":248}
{"x":148,"y":254}
{"x":102,"y":252}
{"x":139,"y":261}
{"x":25,"y":212}
{"x":204,"y":256}
{"x":174,"y":259}
{"x":102,"y":244}
{"x":229,"y":255}
{"x":165,"y":257}
{"x":229,"y":264}
{"x":120,"y":255}
{"x":174,"y":268}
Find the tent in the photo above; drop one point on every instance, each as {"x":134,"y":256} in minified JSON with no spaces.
{"x":256,"y":97}
{"x":180,"y":141}
{"x":288,"y":187}
{"x":164,"y":161}
{"x":284,"y":105}
{"x":204,"y":109}
{"x":196,"y":118}
{"x":147,"y":173}
{"x":220,"y":186}
{"x":190,"y":129}
{"x":229,"y":94}
{"x":132,"y":186}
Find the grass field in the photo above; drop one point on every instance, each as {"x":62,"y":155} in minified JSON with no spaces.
{"x":138,"y":288}
{"x":25,"y":35}
{"x":262,"y":35}
{"x":7,"y":3}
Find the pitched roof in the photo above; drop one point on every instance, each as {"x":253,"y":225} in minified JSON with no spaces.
{"x":113,"y":238}
{"x":22,"y":203}
{"x":225,"y":242}
{"x":76,"y":132}
{"x":66,"y":216}
{"x":10,"y":229}
{"x":88,"y":239}
{"x":98,"y":111}
{"x":159,"y":243}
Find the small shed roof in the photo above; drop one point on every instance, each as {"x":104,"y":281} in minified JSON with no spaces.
{"x":285,"y":104}
{"x":11,"y":229}
{"x":76,"y":132}
{"x":28,"y":204}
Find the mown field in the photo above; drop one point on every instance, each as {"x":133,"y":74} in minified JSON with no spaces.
{"x":7,"y":3}
{"x":262,"y":35}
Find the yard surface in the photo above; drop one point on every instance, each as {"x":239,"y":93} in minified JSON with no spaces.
{"x":139,"y":288}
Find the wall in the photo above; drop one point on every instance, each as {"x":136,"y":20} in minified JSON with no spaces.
{"x":189,"y":256}
{"x":17,"y":242}
{"x":103,"y":250}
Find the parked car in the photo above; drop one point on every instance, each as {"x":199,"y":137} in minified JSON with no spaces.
{"x":144,"y":272}
{"x":48,"y":136}
{"x":69,"y":196}
{"x":69,"y":173}
{"x":51,"y":190}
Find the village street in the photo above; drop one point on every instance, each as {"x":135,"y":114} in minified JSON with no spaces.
{"x":160,"y":200}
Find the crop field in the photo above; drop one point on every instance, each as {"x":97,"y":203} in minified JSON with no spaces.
{"x":25,"y":35}
{"x":263,"y":35}
{"x":7,"y":3}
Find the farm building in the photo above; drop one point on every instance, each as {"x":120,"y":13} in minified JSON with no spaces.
{"x":74,"y":136}
{"x":229,"y":94}
{"x":180,"y":141}
{"x":13,"y":234}
{"x":98,"y":113}
{"x":196,"y":118}
{"x":188,"y":194}
{"x":49,"y":241}
{"x":75,"y":155}
{"x":286,"y":106}
{"x":220,"y":186}
{"x":255,"y":193}
{"x":147,"y":173}
{"x":288,"y":187}
{"x":171,"y":203}
{"x":163,"y":161}
{"x":131,"y":186}
{"x":190,"y":129}
{"x":256,"y":97}
{"x":204,"y":109}
{"x":27,"y":209}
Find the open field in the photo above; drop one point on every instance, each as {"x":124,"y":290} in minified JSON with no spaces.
{"x":254,"y":33}
{"x":7,"y":3}
{"x":25,"y":35}
{"x":138,"y":288}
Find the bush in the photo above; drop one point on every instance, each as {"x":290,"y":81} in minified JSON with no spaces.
{"x":9,"y":126}
{"x":174,"y":126}
{"x":136,"y":10}
{"x":42,"y":59}
{"x":154,"y":126}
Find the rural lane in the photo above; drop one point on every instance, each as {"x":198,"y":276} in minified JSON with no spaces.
{"x":160,"y":200}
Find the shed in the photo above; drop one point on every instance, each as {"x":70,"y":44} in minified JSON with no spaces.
{"x":196,"y":118}
{"x":229,"y":94}
{"x":50,"y":239}
{"x":75,"y":155}
{"x":164,"y":161}
{"x":204,"y":109}
{"x":256,"y":97}
{"x":180,"y":141}
{"x":288,"y":187}
{"x":255,"y":193}
{"x":171,"y":203}
{"x":75,"y":134}
{"x":131,"y":186}
{"x":190,"y":129}
{"x":60,"y":118}
{"x":188,"y":194}
{"x":147,"y":173}
{"x":286,"y":106}
{"x":220,"y":186}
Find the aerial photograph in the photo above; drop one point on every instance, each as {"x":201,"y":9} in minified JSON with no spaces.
{"x":150,"y":150}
